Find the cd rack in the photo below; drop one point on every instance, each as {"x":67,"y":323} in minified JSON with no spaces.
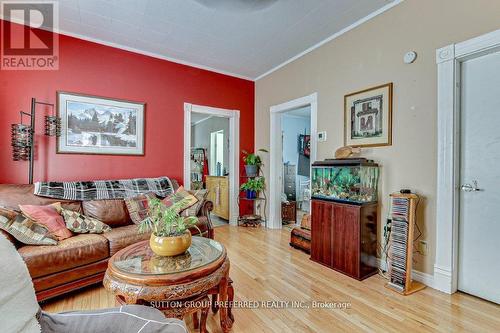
{"x":403,"y":208}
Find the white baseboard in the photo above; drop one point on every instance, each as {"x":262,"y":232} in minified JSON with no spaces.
{"x":425,"y":278}
{"x":443,"y":280}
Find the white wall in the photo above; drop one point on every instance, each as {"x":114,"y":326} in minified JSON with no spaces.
{"x":200,"y":135}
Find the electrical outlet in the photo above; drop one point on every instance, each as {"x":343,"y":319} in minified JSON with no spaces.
{"x":423,"y":248}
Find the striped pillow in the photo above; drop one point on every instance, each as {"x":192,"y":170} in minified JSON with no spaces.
{"x":201,"y":195}
{"x":138,"y":207}
{"x":181,"y":195}
{"x":24,"y":229}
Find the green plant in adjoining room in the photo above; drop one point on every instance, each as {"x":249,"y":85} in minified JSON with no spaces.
{"x":252,"y":162}
{"x":253,"y":158}
{"x":253,"y":186}
{"x":165,"y":221}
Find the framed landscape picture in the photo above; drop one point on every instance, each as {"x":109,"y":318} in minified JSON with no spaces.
{"x":97,"y":125}
{"x":368,"y":117}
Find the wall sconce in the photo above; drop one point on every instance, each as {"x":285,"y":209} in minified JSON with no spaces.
{"x":23,"y":136}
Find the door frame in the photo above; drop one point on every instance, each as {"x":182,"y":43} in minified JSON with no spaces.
{"x":276,"y":152}
{"x":449,"y":60}
{"x":234,"y":151}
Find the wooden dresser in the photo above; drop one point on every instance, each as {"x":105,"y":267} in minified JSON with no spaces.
{"x":218,"y":193}
{"x":344,"y":237}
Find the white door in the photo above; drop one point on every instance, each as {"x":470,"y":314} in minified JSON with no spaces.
{"x":479,"y":230}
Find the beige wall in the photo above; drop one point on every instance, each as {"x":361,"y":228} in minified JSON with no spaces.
{"x":370,"y":55}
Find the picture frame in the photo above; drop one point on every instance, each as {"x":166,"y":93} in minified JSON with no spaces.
{"x":368,"y":117}
{"x":100,"y":125}
{"x":304,"y":145}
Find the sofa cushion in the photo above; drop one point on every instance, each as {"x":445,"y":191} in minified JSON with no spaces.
{"x":121,"y":237}
{"x":111,"y":212}
{"x":71,"y":252}
{"x":13,"y":195}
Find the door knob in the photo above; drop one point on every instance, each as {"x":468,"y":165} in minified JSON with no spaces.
{"x":470,"y":188}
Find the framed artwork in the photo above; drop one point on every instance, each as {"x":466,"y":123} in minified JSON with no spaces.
{"x":368,"y":117}
{"x":97,"y":125}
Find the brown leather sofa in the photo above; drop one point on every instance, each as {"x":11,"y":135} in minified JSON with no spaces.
{"x":80,"y":260}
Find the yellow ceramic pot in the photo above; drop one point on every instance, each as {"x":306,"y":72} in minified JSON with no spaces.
{"x":170,"y":246}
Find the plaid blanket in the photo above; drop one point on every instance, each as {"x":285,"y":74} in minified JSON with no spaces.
{"x":104,"y":189}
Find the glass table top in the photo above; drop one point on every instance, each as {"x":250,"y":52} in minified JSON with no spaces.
{"x":139,"y":259}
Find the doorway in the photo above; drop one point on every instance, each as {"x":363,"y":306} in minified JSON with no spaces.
{"x":468,"y":147}
{"x":296,"y":153}
{"x":300,"y":137}
{"x":211,"y":151}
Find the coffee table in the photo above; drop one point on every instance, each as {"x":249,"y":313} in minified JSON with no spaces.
{"x":178,"y":285}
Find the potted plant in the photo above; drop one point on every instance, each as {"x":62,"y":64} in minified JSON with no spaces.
{"x":253,"y":186}
{"x":252,"y":162}
{"x":170,"y":232}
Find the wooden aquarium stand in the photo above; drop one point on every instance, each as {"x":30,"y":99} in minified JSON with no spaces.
{"x":344,"y":237}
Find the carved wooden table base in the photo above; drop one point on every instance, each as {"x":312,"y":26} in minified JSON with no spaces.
{"x":177,"y":298}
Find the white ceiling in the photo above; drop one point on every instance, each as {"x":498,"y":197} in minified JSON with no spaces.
{"x":245,"y":38}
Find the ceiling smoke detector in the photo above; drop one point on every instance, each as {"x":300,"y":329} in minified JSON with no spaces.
{"x":237,"y":5}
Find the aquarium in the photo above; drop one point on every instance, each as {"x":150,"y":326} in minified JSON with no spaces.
{"x":347,"y":180}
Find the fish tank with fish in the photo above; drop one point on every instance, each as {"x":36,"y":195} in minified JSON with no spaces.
{"x":350,"y":180}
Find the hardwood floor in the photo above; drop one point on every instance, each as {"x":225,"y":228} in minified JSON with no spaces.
{"x":265,"y":268}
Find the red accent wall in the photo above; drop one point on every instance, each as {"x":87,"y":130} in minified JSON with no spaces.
{"x":95,"y":69}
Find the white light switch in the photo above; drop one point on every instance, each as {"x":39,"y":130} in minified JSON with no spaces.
{"x":322,"y":136}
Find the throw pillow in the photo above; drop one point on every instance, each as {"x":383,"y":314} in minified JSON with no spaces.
{"x":49,"y":217}
{"x":138,"y":207}
{"x":23,"y":229}
{"x":180,"y":195}
{"x":82,"y":224}
{"x":200,"y":195}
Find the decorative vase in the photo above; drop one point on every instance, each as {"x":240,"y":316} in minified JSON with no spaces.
{"x":251,"y":170}
{"x":170,"y":246}
{"x":251,"y":194}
